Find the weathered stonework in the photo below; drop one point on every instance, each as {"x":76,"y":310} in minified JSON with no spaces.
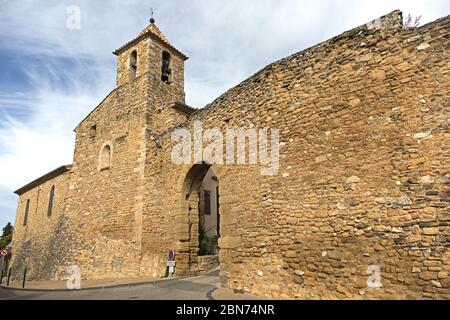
{"x":37,"y":244}
{"x":364,"y":173}
{"x":207,"y":263}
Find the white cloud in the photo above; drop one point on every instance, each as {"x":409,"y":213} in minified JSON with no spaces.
{"x":72,"y":70}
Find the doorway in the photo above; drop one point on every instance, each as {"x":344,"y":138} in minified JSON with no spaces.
{"x":202,"y":209}
{"x":208,"y":210}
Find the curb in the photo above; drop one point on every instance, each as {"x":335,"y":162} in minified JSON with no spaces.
{"x":209,"y":294}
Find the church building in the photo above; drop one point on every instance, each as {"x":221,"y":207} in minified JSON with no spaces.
{"x":363,"y":183}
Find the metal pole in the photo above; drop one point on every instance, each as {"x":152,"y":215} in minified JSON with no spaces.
{"x":24,"y":277}
{"x":9,"y":277}
{"x":1,"y":277}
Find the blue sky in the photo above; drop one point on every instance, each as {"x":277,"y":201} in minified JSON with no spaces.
{"x":52,"y":76}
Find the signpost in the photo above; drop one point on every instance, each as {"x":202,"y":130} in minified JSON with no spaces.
{"x":1,"y":270}
{"x":3,"y":254}
{"x":171,"y":255}
{"x":171,"y":262}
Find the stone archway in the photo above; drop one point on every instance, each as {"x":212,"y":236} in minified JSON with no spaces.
{"x":188,"y":224}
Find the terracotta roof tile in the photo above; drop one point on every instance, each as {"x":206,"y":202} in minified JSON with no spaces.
{"x":152,"y":30}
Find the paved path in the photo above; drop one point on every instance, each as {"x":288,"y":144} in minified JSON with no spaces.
{"x":187,"y":289}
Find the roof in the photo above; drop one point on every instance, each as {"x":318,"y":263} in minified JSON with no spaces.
{"x":46,"y":177}
{"x":183,"y":108}
{"x":153,"y":28}
{"x":153,"y":31}
{"x":98,"y":105}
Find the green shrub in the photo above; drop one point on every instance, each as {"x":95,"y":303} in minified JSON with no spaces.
{"x":207,"y":245}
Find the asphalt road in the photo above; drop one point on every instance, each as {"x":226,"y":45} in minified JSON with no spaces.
{"x":187,"y":289}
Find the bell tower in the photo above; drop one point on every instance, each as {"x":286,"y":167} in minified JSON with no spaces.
{"x":151,"y":63}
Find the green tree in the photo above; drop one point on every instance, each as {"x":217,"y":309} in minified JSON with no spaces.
{"x":8,"y":229}
{"x":6,"y":236}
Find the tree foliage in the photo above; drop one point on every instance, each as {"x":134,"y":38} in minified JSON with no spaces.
{"x":207,"y":245}
{"x":6,"y":236}
{"x":8,"y":229}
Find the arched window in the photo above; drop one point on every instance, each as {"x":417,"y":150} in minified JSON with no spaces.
{"x":25,"y":217}
{"x":50,"y":201}
{"x":133,"y":64}
{"x":165,"y":69}
{"x":105,"y":157}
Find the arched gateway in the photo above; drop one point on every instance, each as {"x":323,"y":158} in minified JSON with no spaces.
{"x":198,"y":225}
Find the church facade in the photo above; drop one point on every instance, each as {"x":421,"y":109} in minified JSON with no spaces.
{"x":361,"y":194}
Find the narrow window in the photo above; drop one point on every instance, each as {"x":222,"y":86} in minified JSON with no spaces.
{"x":93,"y":131}
{"x":105,"y":157}
{"x":133,"y":64}
{"x":50,"y":201}
{"x":165,"y":69}
{"x":25,"y":217}
{"x":207,"y":202}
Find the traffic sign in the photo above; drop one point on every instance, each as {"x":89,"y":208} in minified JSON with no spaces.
{"x":4,"y":253}
{"x":171,"y":265}
{"x":171,"y":255}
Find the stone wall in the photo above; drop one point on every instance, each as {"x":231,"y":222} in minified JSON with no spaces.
{"x":207,"y":263}
{"x":104,"y":203}
{"x":364,"y":176}
{"x":33,"y":243}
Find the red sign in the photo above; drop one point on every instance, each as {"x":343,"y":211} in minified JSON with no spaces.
{"x":4,"y":253}
{"x":171,"y":255}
